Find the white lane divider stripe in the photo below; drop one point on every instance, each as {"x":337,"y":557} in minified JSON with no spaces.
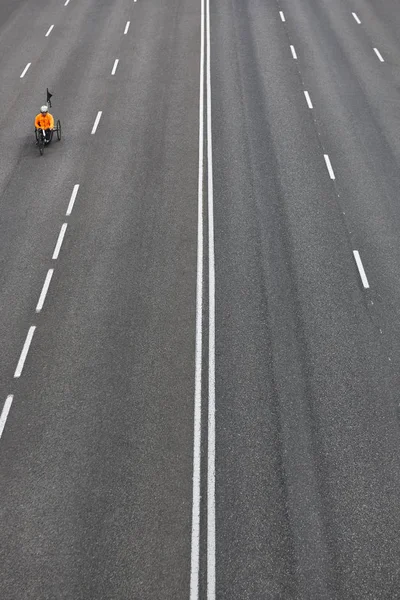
{"x":59,"y":241}
{"x":211,"y":543}
{"x":24,"y":352}
{"x":4,"y":413}
{"x":72,"y":200}
{"x":49,"y":31}
{"x":379,"y":55}
{"x":25,"y":70}
{"x":127,"y":27}
{"x":307,"y":95}
{"x":66,"y":2}
{"x":44,"y":290}
{"x":356,"y":18}
{"x":96,"y":123}
{"x":195,"y":535}
{"x":282,"y":16}
{"x":293,"y":52}
{"x":361,"y":269}
{"x":329,"y":166}
{"x":115,"y":66}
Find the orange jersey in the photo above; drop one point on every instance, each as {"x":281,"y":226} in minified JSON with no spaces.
{"x":44,"y":122}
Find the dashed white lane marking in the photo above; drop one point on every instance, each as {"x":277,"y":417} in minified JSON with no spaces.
{"x":59,"y":241}
{"x":127,"y":27}
{"x":329,"y":166}
{"x":44,"y":290}
{"x":25,"y":70}
{"x":72,"y":200}
{"x":4,"y":413}
{"x":195,"y":534}
{"x":24,"y":352}
{"x":379,"y":55}
{"x":97,"y":122}
{"x":356,"y":18}
{"x":115,"y":66}
{"x":282,"y":16}
{"x":307,"y":95}
{"x":49,"y":31}
{"x":66,"y":2}
{"x":293,"y":52}
{"x":361,"y":269}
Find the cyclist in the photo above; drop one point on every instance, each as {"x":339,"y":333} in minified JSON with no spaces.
{"x":44,"y":120}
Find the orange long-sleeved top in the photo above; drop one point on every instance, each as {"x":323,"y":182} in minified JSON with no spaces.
{"x":44,"y":122}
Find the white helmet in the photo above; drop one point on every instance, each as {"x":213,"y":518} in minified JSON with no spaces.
{"x":44,"y":108}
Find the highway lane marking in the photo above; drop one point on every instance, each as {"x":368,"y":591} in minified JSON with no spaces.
{"x":293,"y":52}
{"x":127,"y":27}
{"x":195,"y":534}
{"x":115,"y":66}
{"x":211,"y":585}
{"x":25,"y":70}
{"x":282,"y":16}
{"x":329,"y":166}
{"x":379,"y":55}
{"x":66,"y":3}
{"x":59,"y":241}
{"x":25,"y":351}
{"x":361,"y":269}
{"x":44,"y":290}
{"x":49,"y":31}
{"x":4,"y":412}
{"x":72,"y":200}
{"x":96,"y":123}
{"x":356,"y":18}
{"x":307,"y":95}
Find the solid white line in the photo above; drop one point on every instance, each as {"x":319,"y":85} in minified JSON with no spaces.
{"x":24,"y":352}
{"x":66,"y":3}
{"x":356,"y":18}
{"x":361,"y":269}
{"x":293,"y":52}
{"x":379,"y":55}
{"x":195,"y":540}
{"x":329,"y":166}
{"x":115,"y":66}
{"x":72,"y":200}
{"x":25,"y":70}
{"x":97,"y":121}
{"x":127,"y":27}
{"x":49,"y":31}
{"x":44,"y":290}
{"x":59,"y":241}
{"x":211,"y":586}
{"x":282,"y":16}
{"x":307,"y":95}
{"x":4,"y":412}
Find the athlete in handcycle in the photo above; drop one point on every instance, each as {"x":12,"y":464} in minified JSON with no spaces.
{"x":44,"y":125}
{"x":45,"y":121}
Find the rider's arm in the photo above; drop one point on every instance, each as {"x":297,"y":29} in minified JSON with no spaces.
{"x":51,"y":121}
{"x":37,"y":121}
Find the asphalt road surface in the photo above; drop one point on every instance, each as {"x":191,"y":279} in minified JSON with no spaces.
{"x":200,"y":300}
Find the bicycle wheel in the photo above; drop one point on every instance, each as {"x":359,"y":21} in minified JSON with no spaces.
{"x":59,"y":130}
{"x":41,"y":144}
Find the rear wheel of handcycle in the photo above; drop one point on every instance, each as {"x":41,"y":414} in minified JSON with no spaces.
{"x":58,"y":129}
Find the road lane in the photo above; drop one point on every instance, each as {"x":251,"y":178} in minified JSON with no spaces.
{"x":307,"y":431}
{"x":97,"y":452}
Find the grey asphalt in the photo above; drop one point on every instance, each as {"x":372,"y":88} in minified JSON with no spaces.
{"x":96,"y":454}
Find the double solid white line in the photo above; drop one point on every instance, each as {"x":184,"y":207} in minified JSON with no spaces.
{"x":204,"y":115}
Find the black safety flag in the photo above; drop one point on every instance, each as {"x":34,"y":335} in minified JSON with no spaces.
{"x":48,"y":97}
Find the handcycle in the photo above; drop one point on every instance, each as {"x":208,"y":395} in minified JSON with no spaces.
{"x":40,"y":134}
